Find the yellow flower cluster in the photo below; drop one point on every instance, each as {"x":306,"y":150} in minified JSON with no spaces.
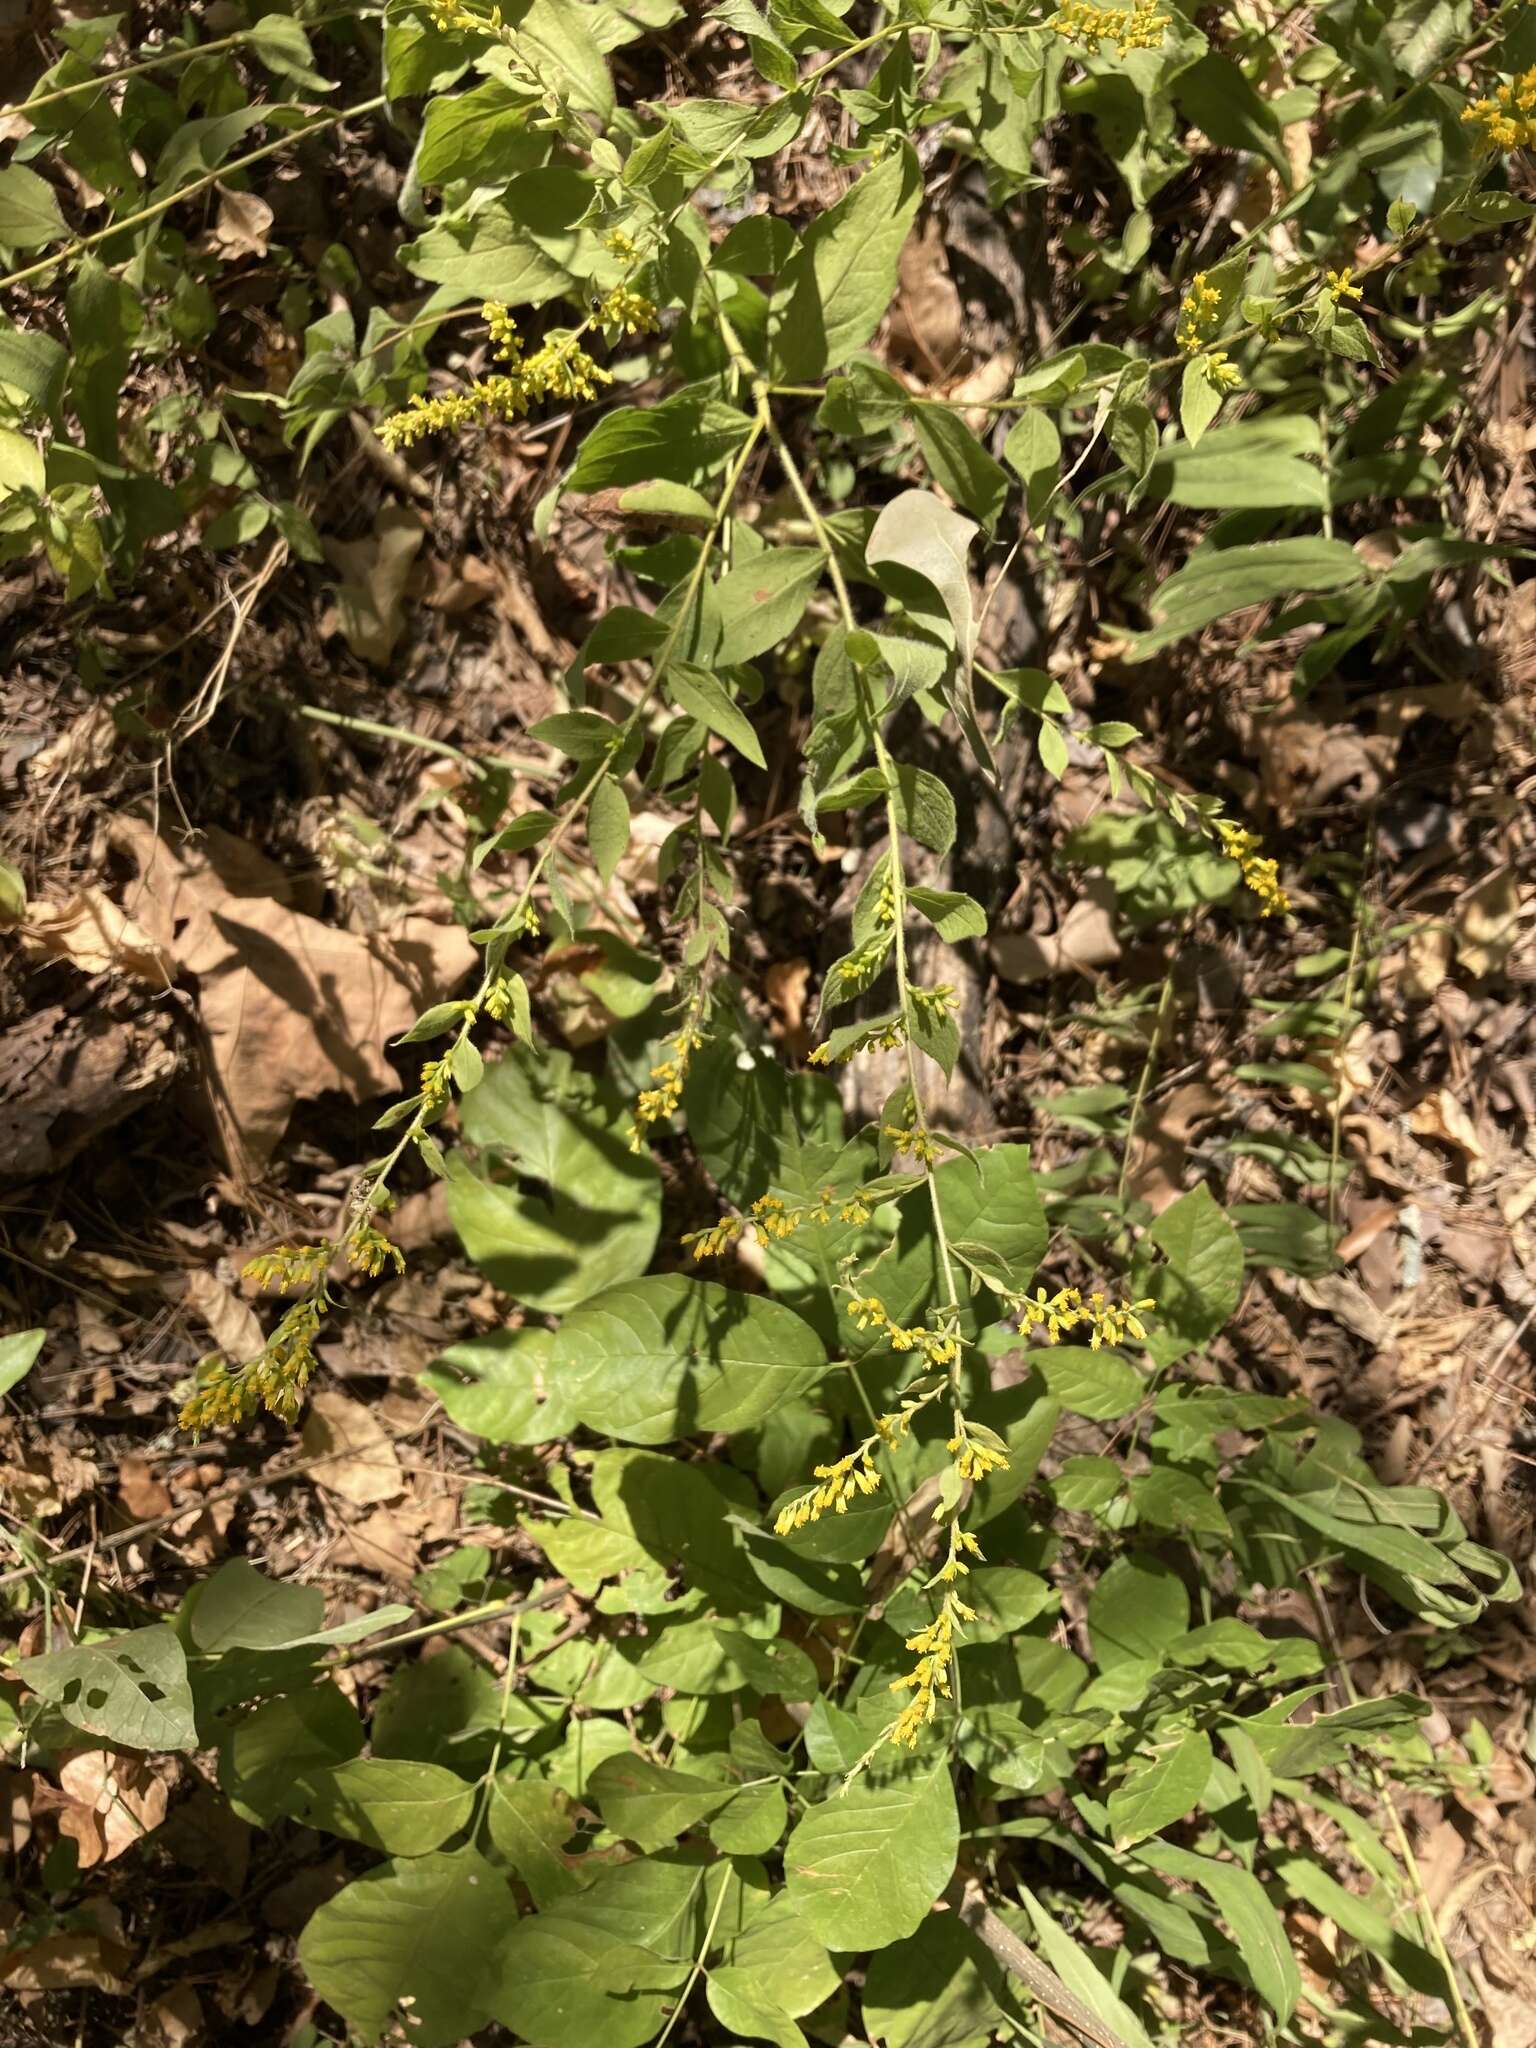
{"x":630,"y":311}
{"x":1199,"y":310}
{"x":840,"y":1483}
{"x":500,"y":999}
{"x":290,"y":1269}
{"x":939,"y":1347}
{"x":622,"y":245}
{"x":559,"y":368}
{"x":447,"y":18}
{"x":275,"y":1380}
{"x":1219,"y":372}
{"x":929,"y":1681}
{"x":1261,"y":875}
{"x":1338,"y":285}
{"x":656,"y":1105}
{"x":889,"y":1035}
{"x":961,"y":1544}
{"x":772,"y":1218}
{"x":371,"y":1251}
{"x":1137,"y":27}
{"x":936,"y":1003}
{"x":436,"y":1082}
{"x":911,"y":1138}
{"x":976,"y":1451}
{"x":1508,"y":120}
{"x":1066,"y":1310}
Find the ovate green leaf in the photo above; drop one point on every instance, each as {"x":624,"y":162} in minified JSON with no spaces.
{"x":864,"y":1867}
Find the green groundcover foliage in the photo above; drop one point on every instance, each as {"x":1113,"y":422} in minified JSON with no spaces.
{"x":856,"y":1701}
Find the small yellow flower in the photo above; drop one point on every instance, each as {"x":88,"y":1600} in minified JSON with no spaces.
{"x":1262,"y":876}
{"x":1137,"y":27}
{"x":1199,"y":310}
{"x":629,"y":311}
{"x":1338,"y":286}
{"x":1508,"y":120}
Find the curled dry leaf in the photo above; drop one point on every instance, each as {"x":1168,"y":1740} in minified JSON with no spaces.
{"x":113,"y":1803}
{"x":1488,"y":924}
{"x":359,"y":1461}
{"x":1441,"y":1116}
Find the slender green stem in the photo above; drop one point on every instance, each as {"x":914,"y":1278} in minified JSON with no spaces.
{"x":1336,"y":1123}
{"x":699,"y":1960}
{"x":102,"y":80}
{"x":1428,"y":1918}
{"x":450,"y":1624}
{"x":1149,"y":1064}
{"x":478,"y":764}
{"x":157,"y":207}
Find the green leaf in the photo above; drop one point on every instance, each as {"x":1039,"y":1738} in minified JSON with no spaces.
{"x":484,"y":136}
{"x":776,"y":1959}
{"x":1256,"y":1926}
{"x":918,"y":532}
{"x":1100,"y":1384}
{"x":1199,"y":400}
{"x":131,"y":1690}
{"x":1216,"y":581}
{"x":1199,"y":1286}
{"x":704,"y":697}
{"x":684,"y":439}
{"x":554,"y":39}
{"x":670,"y":1356}
{"x":925,"y":808}
{"x":29,"y":213}
{"x":1253,"y":464}
{"x":401,"y":1807}
{"x":1075,"y":1970}
{"x":502,"y":1387}
{"x":1166,"y":1498}
{"x":838,"y":284}
{"x":492,"y":256}
{"x":595,"y":1966}
{"x":429,"y":1930}
{"x":959,"y":464}
{"x":937,"y":1990}
{"x":752,"y":1823}
{"x":952,"y":915}
{"x":599,"y":1221}
{"x":1218,"y":97}
{"x":650,"y":1805}
{"x":33,"y":366}
{"x":863,"y":1867}
{"x":21,"y":464}
{"x":18,"y":1354}
{"x":530,"y":1822}
{"x":1165,"y":1782}
{"x":266,"y":1753}
{"x":747,"y":2018}
{"x":761,"y":603}
{"x":607,"y":827}
{"x":1033,"y":451}
{"x":1136,"y":1610}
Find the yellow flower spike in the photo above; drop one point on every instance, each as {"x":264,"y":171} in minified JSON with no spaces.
{"x":629,"y":311}
{"x":1260,"y":875}
{"x":1138,"y":27}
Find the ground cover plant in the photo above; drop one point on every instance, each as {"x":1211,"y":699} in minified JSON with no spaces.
{"x":901,"y":1609}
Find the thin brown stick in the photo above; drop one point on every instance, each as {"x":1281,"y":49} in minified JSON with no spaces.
{"x":1020,"y":1960}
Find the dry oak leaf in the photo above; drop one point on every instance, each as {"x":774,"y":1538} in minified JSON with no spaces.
{"x":360,"y":1464}
{"x":113,"y":1802}
{"x":291,"y":1007}
{"x":1441,"y":1116}
{"x":373,"y":573}
{"x":1488,"y":924}
{"x":95,"y":935}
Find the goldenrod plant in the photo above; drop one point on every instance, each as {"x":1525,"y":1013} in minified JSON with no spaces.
{"x":828,"y":1620}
